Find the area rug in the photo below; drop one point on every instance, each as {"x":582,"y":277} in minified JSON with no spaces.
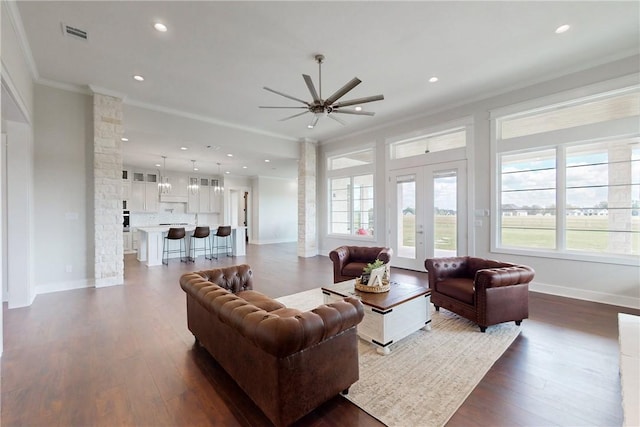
{"x":428,"y":374}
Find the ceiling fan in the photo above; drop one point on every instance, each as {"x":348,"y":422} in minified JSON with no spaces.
{"x":330,"y":106}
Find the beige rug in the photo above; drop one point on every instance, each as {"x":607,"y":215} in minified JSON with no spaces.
{"x":429,"y":374}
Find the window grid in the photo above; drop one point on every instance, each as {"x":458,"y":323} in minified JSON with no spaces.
{"x":352,"y":205}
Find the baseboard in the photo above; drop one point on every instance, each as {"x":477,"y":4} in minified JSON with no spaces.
{"x":271,"y":241}
{"x":582,"y":294}
{"x":64,"y":286}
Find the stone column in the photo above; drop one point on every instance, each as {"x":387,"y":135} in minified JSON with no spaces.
{"x":107,"y":176}
{"x":307,"y":201}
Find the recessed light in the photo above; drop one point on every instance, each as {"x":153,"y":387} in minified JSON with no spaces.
{"x":229,"y":155}
{"x":124,"y":139}
{"x":183,"y":148}
{"x":244,"y":167}
{"x":562,"y":28}
{"x":227,"y":172}
{"x":138,"y":78}
{"x":310,"y":126}
{"x":160,"y":27}
{"x":358,"y":108}
{"x":158,"y":165}
{"x":433,"y":79}
{"x":196,"y":169}
{"x":267,"y":160}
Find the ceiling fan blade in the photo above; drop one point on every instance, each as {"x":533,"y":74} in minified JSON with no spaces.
{"x":314,"y":121}
{"x":359,"y":101}
{"x":360,"y":113}
{"x":285,"y":95}
{"x":342,"y":122}
{"x":295,"y":115}
{"x":342,"y":91}
{"x":312,"y":88}
{"x":262,"y":106}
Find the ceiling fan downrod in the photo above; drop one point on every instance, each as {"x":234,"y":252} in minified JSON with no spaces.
{"x":320,"y":60}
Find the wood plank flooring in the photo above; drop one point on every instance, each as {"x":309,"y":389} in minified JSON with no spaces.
{"x":123,"y":356}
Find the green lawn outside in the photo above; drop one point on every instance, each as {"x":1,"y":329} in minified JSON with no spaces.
{"x":536,"y":232}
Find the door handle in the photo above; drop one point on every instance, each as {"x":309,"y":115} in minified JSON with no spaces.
{"x":419,"y":232}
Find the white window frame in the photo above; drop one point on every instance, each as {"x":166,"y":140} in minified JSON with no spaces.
{"x":621,"y":128}
{"x":351,"y":172}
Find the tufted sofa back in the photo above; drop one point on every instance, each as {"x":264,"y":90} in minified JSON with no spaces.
{"x":268,"y":324}
{"x":235,"y":279}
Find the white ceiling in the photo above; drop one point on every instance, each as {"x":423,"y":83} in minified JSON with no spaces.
{"x":217,"y":56}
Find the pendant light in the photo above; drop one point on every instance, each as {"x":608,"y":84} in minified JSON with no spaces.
{"x":164,"y":186}
{"x":193,"y":182}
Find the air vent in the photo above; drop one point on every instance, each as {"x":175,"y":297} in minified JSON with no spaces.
{"x":74,"y":32}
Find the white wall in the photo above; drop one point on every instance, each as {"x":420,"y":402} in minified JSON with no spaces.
{"x":275,"y":210}
{"x":63,"y":181}
{"x":609,"y":283}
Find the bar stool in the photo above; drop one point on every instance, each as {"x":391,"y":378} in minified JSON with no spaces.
{"x":224,"y":232}
{"x":200,"y":233}
{"x":174,"y":234}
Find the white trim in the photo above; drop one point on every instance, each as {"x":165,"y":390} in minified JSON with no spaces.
{"x":64,"y":86}
{"x":614,"y":259}
{"x":581,"y":294}
{"x":442,"y":128}
{"x":108,"y":92}
{"x":16,"y":20}
{"x":205,"y":119}
{"x":605,"y":88}
{"x":272,"y":241}
{"x":46,"y":288}
{"x":12,"y":91}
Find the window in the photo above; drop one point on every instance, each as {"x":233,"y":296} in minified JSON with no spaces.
{"x":569,"y":177}
{"x":448,"y":140}
{"x":352,"y":205}
{"x":358,"y":158}
{"x":351,"y":193}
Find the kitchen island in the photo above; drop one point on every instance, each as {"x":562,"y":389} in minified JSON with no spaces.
{"x":151,"y":238}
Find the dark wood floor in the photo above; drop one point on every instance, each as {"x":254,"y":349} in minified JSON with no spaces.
{"x":123,"y":356}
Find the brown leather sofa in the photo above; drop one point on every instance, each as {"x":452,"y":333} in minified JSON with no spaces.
{"x":484,"y":291}
{"x":287,"y":361}
{"x":348,"y":261}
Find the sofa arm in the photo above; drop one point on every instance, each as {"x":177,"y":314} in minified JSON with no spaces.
{"x":385,"y":255}
{"x":283,"y":336}
{"x":504,"y":276}
{"x":339,"y":255}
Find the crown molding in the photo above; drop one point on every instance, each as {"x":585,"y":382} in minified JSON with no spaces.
{"x":206,"y":119}
{"x":23,"y":41}
{"x":12,"y":91}
{"x":63,"y":86}
{"x":104,"y":91}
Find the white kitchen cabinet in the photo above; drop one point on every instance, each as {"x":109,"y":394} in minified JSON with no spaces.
{"x":203,"y":192}
{"x":178,"y":191}
{"x":144,"y":192}
{"x":208,"y":197}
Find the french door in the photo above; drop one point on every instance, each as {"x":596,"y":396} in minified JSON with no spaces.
{"x":428,"y":213}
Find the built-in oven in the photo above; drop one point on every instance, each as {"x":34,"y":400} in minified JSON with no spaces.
{"x":125,"y":220}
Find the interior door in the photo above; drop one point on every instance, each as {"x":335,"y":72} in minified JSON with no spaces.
{"x":428,"y":213}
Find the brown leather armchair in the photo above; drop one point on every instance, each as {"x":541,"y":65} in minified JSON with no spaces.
{"x":484,"y":291}
{"x":348,"y":261}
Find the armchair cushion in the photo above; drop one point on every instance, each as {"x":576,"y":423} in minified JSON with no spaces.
{"x":348,"y":261}
{"x":484,"y":291}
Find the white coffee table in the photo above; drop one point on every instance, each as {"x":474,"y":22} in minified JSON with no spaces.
{"x":388,"y":316}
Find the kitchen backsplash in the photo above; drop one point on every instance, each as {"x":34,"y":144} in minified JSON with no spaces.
{"x":171,"y":213}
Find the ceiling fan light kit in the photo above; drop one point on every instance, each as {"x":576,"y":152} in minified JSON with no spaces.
{"x":330,"y":106}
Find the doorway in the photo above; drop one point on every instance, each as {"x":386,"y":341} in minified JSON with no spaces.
{"x":428,"y":213}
